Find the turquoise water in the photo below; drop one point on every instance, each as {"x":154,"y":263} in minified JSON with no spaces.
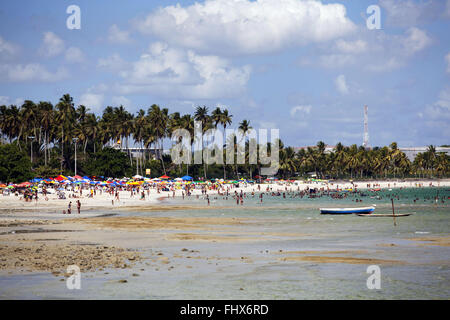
{"x":272,"y":231}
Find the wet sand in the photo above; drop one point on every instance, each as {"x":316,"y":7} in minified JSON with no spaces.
{"x":121,"y":248}
{"x":347,"y":260}
{"x":443,"y":241}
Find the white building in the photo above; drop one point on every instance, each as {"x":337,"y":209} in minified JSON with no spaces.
{"x":411,"y":152}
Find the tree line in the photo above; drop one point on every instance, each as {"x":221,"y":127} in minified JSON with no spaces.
{"x":48,"y":135}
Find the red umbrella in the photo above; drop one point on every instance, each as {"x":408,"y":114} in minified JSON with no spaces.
{"x":164,"y":177}
{"x":60,"y":178}
{"x":24,"y":184}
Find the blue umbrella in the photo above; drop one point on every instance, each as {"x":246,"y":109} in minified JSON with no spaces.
{"x":187,"y":178}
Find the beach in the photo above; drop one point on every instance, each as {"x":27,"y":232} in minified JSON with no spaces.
{"x":167,"y":247}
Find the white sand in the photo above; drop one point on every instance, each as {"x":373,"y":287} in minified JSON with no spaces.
{"x":13,"y":205}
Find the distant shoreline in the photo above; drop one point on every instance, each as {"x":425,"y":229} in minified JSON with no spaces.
{"x":15,"y":208}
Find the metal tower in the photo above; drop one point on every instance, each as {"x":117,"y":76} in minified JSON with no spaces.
{"x":366,"y":128}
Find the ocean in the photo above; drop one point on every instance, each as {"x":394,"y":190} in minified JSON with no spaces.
{"x":283,"y":249}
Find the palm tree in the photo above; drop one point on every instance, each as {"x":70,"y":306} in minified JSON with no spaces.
{"x":201,"y":115}
{"x":442,"y":163}
{"x":245,"y":126}
{"x":159,"y":118}
{"x":216,"y":116}
{"x":92,"y":128}
{"x":47,"y":121}
{"x":187,"y":123}
{"x":141,"y":125}
{"x":340,"y":158}
{"x":65,"y":117}
{"x":430,"y":156}
{"x":320,"y":156}
{"x":287,"y":161}
{"x":225,"y":120}
{"x":13,"y":123}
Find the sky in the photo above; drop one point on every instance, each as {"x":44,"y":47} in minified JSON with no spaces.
{"x":305,"y":67}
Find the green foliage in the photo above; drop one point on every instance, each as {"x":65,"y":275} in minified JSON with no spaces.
{"x":46,"y":171}
{"x":53,"y":133}
{"x":15,"y":165}
{"x":108,"y":162}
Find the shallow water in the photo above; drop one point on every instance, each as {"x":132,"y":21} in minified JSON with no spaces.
{"x":254,"y":269}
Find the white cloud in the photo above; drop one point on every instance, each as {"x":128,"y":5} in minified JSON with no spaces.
{"x":402,"y":12}
{"x":247,"y":27}
{"x":388,"y":65}
{"x":52,"y":45}
{"x":353,"y":47}
{"x":30,"y":72}
{"x":416,"y":40}
{"x":115,"y":35}
{"x":181,"y":74}
{"x":336,"y":60}
{"x":74,"y":55}
{"x":437,"y":115}
{"x":302,"y":110}
{"x":121,"y":100}
{"x":444,"y":99}
{"x":341,"y":84}
{"x":5,"y":100}
{"x":378,"y":52}
{"x":93,"y":101}
{"x":113,"y":63}
{"x":7,"y":49}
{"x":447,"y":59}
{"x":407,"y":13}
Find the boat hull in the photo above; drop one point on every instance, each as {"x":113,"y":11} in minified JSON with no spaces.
{"x":365,"y":210}
{"x":384,"y":215}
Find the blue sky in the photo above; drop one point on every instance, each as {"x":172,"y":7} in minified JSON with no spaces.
{"x":305,"y":67}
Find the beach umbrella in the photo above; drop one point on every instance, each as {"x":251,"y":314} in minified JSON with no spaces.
{"x":24,"y":184}
{"x":164,"y":177}
{"x":2,"y":185}
{"x":187,"y":178}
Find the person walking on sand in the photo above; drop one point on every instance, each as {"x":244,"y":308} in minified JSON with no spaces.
{"x":78,"y":206}
{"x":69,"y":208}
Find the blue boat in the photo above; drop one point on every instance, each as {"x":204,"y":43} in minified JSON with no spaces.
{"x":365,"y":210}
